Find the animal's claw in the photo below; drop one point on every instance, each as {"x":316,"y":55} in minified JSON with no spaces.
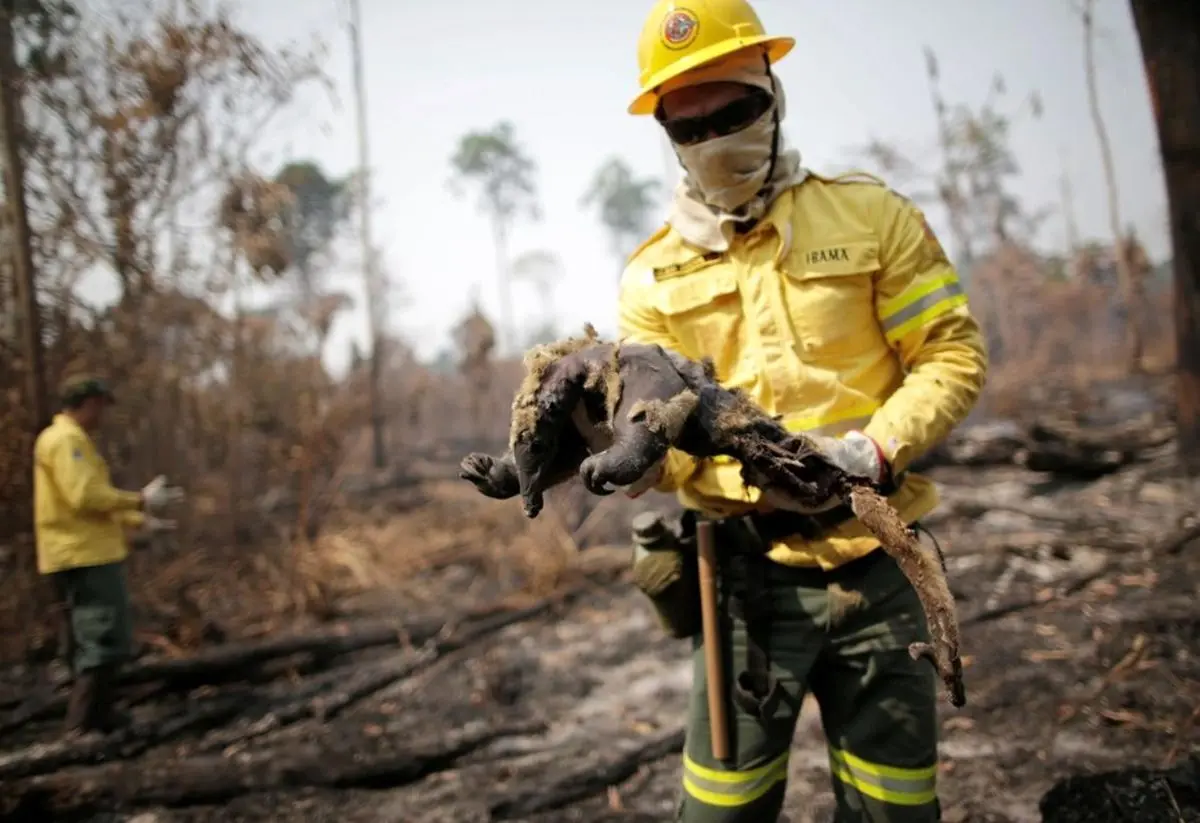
{"x":493,"y":478}
{"x":592,"y":481}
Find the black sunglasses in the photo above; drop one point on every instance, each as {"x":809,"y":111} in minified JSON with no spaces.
{"x":729,"y":119}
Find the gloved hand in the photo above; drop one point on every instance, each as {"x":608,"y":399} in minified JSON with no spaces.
{"x":157,"y":494}
{"x":856,"y":454}
{"x":158,"y":525}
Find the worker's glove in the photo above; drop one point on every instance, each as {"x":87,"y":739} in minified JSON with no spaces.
{"x":157,"y":494}
{"x":857,"y":455}
{"x":159,"y":525}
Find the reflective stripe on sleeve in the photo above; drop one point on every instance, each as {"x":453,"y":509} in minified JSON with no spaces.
{"x":917,"y":306}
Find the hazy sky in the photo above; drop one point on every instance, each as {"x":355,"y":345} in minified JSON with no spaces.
{"x":564,"y":72}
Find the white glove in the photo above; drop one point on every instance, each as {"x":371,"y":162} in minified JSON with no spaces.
{"x":157,"y":525}
{"x":855,"y":453}
{"x":647,"y":481}
{"x":156,"y":494}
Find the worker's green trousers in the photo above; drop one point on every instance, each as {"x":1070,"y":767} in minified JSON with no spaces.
{"x":843,"y":635}
{"x":98,"y":608}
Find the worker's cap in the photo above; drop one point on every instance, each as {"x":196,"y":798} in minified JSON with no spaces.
{"x":78,"y":388}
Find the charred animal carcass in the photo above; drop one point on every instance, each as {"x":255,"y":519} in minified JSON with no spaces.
{"x":587,"y":408}
{"x":611,"y":411}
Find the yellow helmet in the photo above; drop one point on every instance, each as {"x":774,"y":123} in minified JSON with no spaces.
{"x":681,"y":35}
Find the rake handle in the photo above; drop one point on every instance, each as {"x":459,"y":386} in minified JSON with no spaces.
{"x":718,"y":721}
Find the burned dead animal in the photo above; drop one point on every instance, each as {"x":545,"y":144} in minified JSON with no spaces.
{"x":566,"y":385}
{"x":604,"y":411}
{"x":629,"y":403}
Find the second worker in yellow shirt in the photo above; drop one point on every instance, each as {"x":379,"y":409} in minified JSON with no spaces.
{"x":80,"y":521}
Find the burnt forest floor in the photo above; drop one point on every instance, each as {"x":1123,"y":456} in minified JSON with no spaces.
{"x":1081,"y":630}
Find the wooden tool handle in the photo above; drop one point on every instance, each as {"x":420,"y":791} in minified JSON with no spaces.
{"x":718,"y":723}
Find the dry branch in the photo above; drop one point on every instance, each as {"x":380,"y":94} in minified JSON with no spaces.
{"x":371,"y":679}
{"x":1170,"y":543}
{"x":1066,"y":450}
{"x":48,"y":757}
{"x":347,"y":757}
{"x":241,"y":660}
{"x":591,"y":777}
{"x":235,"y":660}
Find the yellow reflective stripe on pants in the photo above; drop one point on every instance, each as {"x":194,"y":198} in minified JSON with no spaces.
{"x":888,"y":784}
{"x":917,"y":307}
{"x":716,"y":788}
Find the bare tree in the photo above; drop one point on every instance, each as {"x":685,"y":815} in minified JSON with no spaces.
{"x":974,"y":169}
{"x":496,"y":163}
{"x":1131,"y":286}
{"x":1170,"y":42}
{"x":541,"y":269}
{"x":12,"y":124}
{"x":624,"y":203}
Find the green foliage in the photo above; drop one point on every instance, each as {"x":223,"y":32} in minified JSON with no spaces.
{"x":319,"y":208}
{"x":504,"y":173}
{"x":624,"y":203}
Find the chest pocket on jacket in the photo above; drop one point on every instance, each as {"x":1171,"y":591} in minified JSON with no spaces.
{"x":831,"y":299}
{"x":703,"y":310}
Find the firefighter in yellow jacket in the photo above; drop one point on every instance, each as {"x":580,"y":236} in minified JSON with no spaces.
{"x":80,"y":521}
{"x":830,"y":302}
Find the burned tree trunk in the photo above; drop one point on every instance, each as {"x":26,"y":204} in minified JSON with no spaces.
{"x":343,"y":758}
{"x":1170,"y":38}
{"x":14,"y":178}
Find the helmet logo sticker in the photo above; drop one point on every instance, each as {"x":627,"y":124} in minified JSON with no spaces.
{"x":679,"y":29}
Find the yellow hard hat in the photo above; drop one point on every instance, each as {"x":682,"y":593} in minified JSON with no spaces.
{"x":681,"y":35}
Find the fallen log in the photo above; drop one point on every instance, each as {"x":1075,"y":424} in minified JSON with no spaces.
{"x":589,"y":777}
{"x":235,"y":659}
{"x":362,"y":760}
{"x":1133,"y":436}
{"x":129,"y":742}
{"x":373,"y":678}
{"x":963,"y":503}
{"x":1062,"y":449}
{"x":321,"y":697}
{"x":240,"y":660}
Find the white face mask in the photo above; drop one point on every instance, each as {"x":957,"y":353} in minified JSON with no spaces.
{"x":729,"y":171}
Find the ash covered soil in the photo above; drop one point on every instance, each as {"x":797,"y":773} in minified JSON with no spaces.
{"x":1081,"y":631}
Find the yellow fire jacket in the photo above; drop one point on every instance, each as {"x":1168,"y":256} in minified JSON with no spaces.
{"x":79,"y":518}
{"x":839,"y":311}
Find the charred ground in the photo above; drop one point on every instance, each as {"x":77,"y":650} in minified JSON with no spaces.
{"x":456,"y":698}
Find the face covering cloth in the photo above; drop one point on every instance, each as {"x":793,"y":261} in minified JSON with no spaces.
{"x":729,"y":180}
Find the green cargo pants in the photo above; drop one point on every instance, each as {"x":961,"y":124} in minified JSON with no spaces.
{"x":98,"y":609}
{"x":843,"y":635}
